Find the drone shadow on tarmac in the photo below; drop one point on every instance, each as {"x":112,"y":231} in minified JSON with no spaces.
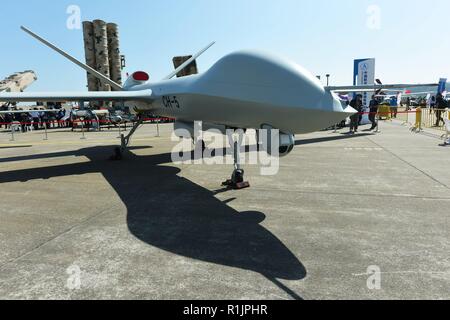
{"x":178,"y":216}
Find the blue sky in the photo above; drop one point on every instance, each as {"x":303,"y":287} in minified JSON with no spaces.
{"x":409,"y":39}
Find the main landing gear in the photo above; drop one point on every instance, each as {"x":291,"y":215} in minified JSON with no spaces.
{"x":125,"y":141}
{"x":200,"y":144}
{"x":237,"y":181}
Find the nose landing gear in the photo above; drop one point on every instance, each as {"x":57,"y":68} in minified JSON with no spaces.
{"x":237,"y":181}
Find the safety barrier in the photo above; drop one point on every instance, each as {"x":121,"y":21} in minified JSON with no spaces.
{"x":420,"y":118}
{"x":434,"y":118}
{"x":417,"y":119}
{"x":53,"y":122}
{"x":407,"y":117}
{"x":15,"y":126}
{"x":384,"y":113}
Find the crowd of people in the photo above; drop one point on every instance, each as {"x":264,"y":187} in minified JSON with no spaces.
{"x":83,"y":119}
{"x":356,"y":119}
{"x":35,"y":120}
{"x":436,"y":104}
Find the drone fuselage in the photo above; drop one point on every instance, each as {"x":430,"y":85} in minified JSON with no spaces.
{"x":247,"y":90}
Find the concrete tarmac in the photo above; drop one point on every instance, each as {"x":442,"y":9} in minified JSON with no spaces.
{"x":75,"y":225}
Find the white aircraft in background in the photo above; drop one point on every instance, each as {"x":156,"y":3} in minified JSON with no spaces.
{"x":243,"y":90}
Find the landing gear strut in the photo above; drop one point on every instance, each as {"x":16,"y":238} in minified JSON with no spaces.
{"x":237,"y":178}
{"x":125,"y":141}
{"x":201,"y":145}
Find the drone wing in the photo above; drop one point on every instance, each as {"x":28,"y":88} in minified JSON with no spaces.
{"x":378,"y":87}
{"x":144,"y":95}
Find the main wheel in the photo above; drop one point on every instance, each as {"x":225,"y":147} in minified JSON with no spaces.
{"x":238,"y":176}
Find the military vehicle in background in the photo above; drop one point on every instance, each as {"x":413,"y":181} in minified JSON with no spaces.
{"x":17,"y":82}
{"x":189,"y":70}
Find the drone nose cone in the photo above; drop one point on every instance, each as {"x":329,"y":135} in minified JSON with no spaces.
{"x":335,"y":109}
{"x":337,"y":105}
{"x":350,"y":111}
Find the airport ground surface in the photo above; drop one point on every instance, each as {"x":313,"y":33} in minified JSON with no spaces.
{"x":148,"y":229}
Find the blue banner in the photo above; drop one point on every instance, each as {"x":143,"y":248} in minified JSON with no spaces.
{"x":442,"y":84}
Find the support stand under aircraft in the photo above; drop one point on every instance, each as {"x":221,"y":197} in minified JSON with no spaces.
{"x":237,"y":178}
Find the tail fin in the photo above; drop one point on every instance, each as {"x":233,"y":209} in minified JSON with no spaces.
{"x":93,"y":72}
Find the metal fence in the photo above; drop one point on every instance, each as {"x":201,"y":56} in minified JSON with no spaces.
{"x":422,"y":118}
{"x":15,"y":128}
{"x":435,"y":118}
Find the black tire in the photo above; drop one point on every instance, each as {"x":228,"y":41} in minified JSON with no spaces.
{"x":238,"y":176}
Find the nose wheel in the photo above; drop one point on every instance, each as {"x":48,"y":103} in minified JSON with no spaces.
{"x":237,"y":181}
